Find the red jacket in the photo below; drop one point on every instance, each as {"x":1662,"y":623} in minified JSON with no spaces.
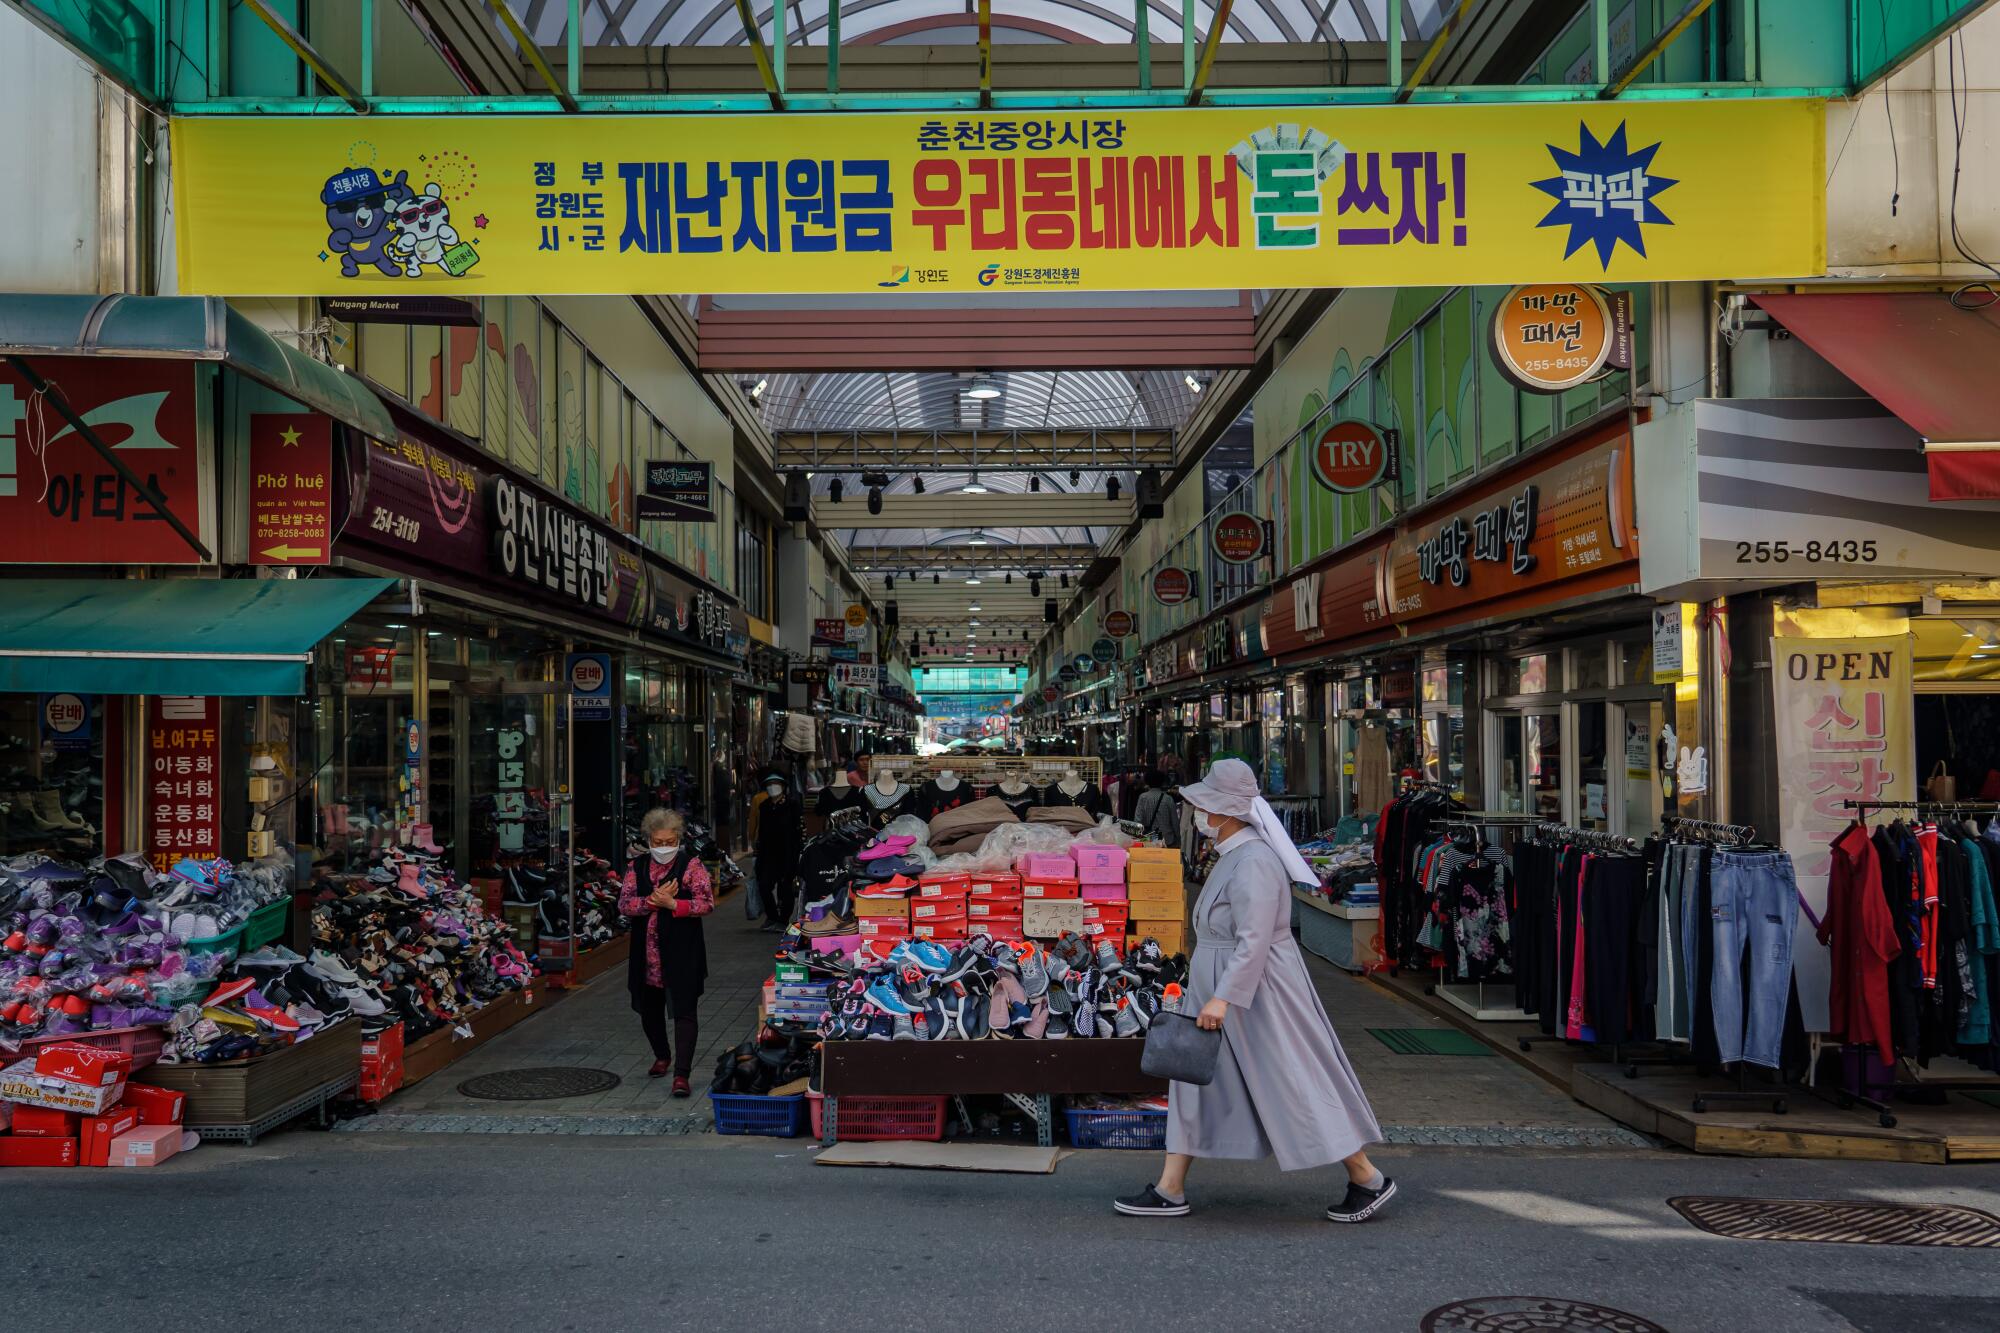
{"x":1862,"y":934}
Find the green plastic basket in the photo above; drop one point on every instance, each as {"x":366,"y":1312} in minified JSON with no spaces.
{"x":229,"y":941}
{"x":268,"y":923}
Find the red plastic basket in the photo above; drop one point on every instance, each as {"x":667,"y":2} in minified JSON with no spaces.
{"x":874,"y":1119}
{"x":142,"y":1044}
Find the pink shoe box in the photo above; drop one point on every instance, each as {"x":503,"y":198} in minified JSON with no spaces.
{"x":1099,"y":863}
{"x":148,"y":1145}
{"x":1045,"y":865}
{"x":1104,"y":893}
{"x":844,"y":945}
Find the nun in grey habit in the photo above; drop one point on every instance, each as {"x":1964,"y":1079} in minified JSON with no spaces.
{"x":1283,"y":1087}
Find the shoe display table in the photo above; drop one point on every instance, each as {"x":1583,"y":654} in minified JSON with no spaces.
{"x":1342,"y":934}
{"x":423,"y":1058}
{"x":1028,"y":1073}
{"x":243,"y":1099}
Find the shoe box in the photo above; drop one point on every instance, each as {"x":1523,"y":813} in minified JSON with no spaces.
{"x":932,"y":910}
{"x":940,"y":928}
{"x":382,"y":1064}
{"x":1103,"y":893}
{"x":983,"y":885}
{"x":1152,"y":865}
{"x":98,"y":1132}
{"x":947,"y":886}
{"x":882,"y":909}
{"x":1099,"y":863}
{"x":20,"y":1150}
{"x":1110,"y":914}
{"x":1158,"y":891}
{"x":884,"y":928}
{"x":523,"y":921}
{"x":164,"y":1106}
{"x":993,"y":909}
{"x":148,"y":1145}
{"x":85,"y":1066}
{"x":1045,"y":865}
{"x":21,"y":1083}
{"x":38,"y":1122}
{"x":1173,"y":939}
{"x":1035,"y":887}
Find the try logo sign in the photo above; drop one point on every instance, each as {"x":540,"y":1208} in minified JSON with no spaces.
{"x":60,"y":501}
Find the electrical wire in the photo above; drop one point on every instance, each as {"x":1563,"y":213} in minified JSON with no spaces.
{"x":1973,"y":295}
{"x":1889,"y":109}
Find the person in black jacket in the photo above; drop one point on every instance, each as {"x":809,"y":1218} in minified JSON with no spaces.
{"x":781,"y":833}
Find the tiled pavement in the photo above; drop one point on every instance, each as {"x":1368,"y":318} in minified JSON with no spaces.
{"x":1483,"y":1099}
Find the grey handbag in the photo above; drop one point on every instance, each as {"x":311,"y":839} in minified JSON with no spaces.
{"x":1178,"y":1050}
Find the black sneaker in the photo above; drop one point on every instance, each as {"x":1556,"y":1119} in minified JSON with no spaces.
{"x":1361,"y":1204}
{"x":1148,"y":1203}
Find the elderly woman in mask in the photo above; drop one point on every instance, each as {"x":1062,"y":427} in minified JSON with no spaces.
{"x":666,"y":894}
{"x":1282,"y":1086}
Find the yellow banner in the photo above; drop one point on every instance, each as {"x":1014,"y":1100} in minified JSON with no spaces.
{"x":1139,"y":201}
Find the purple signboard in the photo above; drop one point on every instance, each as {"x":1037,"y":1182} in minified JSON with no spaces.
{"x":424,"y":508}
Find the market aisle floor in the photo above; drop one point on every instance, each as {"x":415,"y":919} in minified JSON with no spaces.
{"x":595,"y":1028}
{"x":540,"y":1232}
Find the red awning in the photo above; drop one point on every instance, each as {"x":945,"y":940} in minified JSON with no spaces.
{"x":1924,"y":359}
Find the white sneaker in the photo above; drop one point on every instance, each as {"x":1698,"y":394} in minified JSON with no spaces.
{"x":331,"y":967}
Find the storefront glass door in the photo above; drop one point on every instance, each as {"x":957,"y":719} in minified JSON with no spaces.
{"x":1530,"y":773}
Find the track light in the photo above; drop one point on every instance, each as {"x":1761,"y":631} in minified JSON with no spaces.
{"x":917,"y":485}
{"x":1111,"y":488}
{"x":936,"y":579}
{"x":1065,"y":580}
{"x":974,"y":486}
{"x":1035,"y":483}
{"x":1034,"y":587}
{"x":1074,"y":476}
{"x":833,"y":491}
{"x":874,"y":499}
{"x":889,"y":582}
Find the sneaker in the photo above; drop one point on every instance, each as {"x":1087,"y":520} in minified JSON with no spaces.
{"x":1107,"y":959}
{"x":884,"y":996}
{"x":1127,"y":1023}
{"x":905,"y":1030}
{"x":1360,"y":1204}
{"x":1084,"y":999}
{"x":1148,"y":1203}
{"x":1034,"y":973}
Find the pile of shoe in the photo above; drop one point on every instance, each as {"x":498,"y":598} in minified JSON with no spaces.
{"x":547,"y":891}
{"x":780,"y":1053}
{"x":274,"y":1000}
{"x":924,"y":991}
{"x":200,"y":900}
{"x":34,"y":814}
{"x":408,"y":943}
{"x":89,"y":949}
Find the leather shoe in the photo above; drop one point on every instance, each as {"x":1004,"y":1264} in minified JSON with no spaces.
{"x":681,"y":1088}
{"x":659,"y":1069}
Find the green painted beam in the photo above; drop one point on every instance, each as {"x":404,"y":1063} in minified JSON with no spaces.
{"x":533,"y":51}
{"x":307,"y":53}
{"x":1218,"y":23}
{"x":1142,"y":36}
{"x":833,"y":46}
{"x":573,"y":35}
{"x":1662,"y":39}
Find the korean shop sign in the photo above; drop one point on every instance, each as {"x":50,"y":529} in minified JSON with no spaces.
{"x":183,"y":801}
{"x":1554,"y":336}
{"x":975,"y":202}
{"x":1239,"y":538}
{"x":1172,"y":586}
{"x":549,"y":546}
{"x":677,"y":491}
{"x":1352,"y":456}
{"x":62,"y":503}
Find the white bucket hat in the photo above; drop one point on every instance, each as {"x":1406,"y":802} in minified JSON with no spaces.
{"x":1229,"y":789}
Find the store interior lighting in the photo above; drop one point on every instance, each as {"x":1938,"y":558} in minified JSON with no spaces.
{"x":983,"y":387}
{"x":833,"y":491}
{"x":974,"y":486}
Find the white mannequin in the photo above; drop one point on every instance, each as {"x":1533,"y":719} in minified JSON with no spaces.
{"x":1071,"y":784}
{"x":840,"y":782}
{"x":886,"y":783}
{"x":1013,"y":784}
{"x":947,"y":780}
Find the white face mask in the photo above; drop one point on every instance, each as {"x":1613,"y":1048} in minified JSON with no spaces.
{"x":1203,"y":824}
{"x":774,"y":791}
{"x":663,"y":854}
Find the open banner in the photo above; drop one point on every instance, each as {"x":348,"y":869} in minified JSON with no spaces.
{"x":481,"y":205}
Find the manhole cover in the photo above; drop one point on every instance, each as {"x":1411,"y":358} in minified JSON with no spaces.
{"x":538,"y":1085}
{"x":1533,"y":1314}
{"x":1842,"y":1221}
{"x":1430,"y":1041}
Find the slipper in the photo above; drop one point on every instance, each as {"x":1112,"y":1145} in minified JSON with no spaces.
{"x":230,"y":990}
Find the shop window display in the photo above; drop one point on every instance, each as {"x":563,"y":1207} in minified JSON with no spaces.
{"x":663,"y":754}
{"x":52,"y":774}
{"x":367,"y":676}
{"x":1444,"y":726}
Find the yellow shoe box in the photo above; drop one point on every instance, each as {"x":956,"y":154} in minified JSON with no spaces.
{"x":1153,"y":865}
{"x":896,"y":908}
{"x":1157,"y":891}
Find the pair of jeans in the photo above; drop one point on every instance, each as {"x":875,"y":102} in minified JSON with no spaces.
{"x":1754,"y":904}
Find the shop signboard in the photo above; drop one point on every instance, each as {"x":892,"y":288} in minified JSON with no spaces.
{"x":61,"y":503}
{"x":1084,"y":664}
{"x":1172,"y":586}
{"x":677,"y":491}
{"x":183,"y":801}
{"x":812,"y":676}
{"x":829,"y":633}
{"x":856,"y":675}
{"x":589,"y":676}
{"x":1352,"y":456}
{"x":844,"y":652}
{"x":1067,"y":674}
{"x":446,"y":310}
{"x":66,"y":721}
{"x":857,"y":621}
{"x":1119,"y":624}
{"x":1548,"y":337}
{"x":291,"y":488}
{"x":1050,"y":694}
{"x":1789,"y":490}
{"x":1104,"y":651}
{"x":1845,"y":716}
{"x":979,"y":202}
{"x":1566,"y":523}
{"x":1667,"y":643}
{"x":1238,"y":538}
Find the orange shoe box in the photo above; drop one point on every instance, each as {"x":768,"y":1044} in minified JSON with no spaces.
{"x":936,"y":909}
{"x":1050,"y":888}
{"x":1002,"y":885}
{"x":882,"y":909}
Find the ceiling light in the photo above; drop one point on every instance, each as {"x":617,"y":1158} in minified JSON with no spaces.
{"x":983,"y":387}
{"x":1194,"y":385}
{"x":757,"y":389}
{"x":973,"y":607}
{"x":976,"y":539}
{"x":1074,"y":476}
{"x":973,"y":487}
{"x":833,"y":491}
{"x":972,"y":582}
{"x":975,"y":622}
{"x":874,"y":499}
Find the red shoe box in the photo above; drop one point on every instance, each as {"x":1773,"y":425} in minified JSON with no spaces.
{"x":883,"y":928}
{"x":39,"y":1122}
{"x":944,"y":886}
{"x":980,"y":909}
{"x":940,"y":928}
{"x":936,"y":909}
{"x":1000,"y":927}
{"x":1050,"y":888}
{"x":1107,"y":912}
{"x":16,"y":1151}
{"x":99,"y":1130}
{"x":1114,"y":929}
{"x":85,"y":1066}
{"x":163,"y":1106}
{"x":1001,"y":885}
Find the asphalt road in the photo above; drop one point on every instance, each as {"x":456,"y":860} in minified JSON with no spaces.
{"x":506,"y":1232}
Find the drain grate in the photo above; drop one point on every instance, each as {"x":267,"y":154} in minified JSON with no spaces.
{"x":1842,"y":1221}
{"x":1430,"y":1041}
{"x":1513,"y":1136}
{"x":1532,"y":1314}
{"x":582,"y":1125}
{"x":538,"y":1085}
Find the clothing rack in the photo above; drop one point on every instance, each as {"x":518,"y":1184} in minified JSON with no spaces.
{"x":1590,"y":839}
{"x":1707,"y":830}
{"x":1861,"y":808}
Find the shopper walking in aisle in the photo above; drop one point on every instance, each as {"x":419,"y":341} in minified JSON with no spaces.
{"x":781,"y":834}
{"x":1158,"y":812}
{"x":1282,"y":1087}
{"x":667,"y":893}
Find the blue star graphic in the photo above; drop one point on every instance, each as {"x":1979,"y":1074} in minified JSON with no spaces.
{"x":1603,"y":192}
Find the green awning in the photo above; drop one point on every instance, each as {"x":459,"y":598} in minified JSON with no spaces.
{"x":170,"y":636}
{"x":196,"y":328}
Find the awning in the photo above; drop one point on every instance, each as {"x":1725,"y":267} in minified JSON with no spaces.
{"x":245,"y":637}
{"x":195,"y":328}
{"x":1923,"y":358}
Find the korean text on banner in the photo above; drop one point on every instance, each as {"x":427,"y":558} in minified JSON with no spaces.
{"x":183,"y":801}
{"x":1844,"y":711}
{"x":1144,"y":200}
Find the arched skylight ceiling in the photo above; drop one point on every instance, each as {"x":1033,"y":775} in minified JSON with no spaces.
{"x":714,"y":22}
{"x":937,"y":400}
{"x":998,"y":539}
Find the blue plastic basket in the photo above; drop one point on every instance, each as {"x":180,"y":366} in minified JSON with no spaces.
{"x":1145,"y":1130}
{"x":773,"y":1117}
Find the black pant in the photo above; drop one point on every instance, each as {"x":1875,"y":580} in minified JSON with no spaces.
{"x":781,"y":897}
{"x":652,"y":1006}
